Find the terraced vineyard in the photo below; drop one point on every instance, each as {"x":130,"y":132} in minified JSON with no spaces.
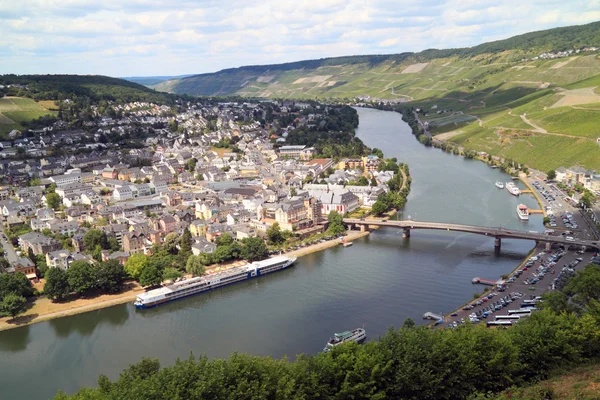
{"x":497,"y":97}
{"x":14,"y":110}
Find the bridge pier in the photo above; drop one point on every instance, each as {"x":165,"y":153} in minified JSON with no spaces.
{"x":548,"y":246}
{"x":497,"y":245}
{"x":363,"y":228}
{"x":406,"y":233}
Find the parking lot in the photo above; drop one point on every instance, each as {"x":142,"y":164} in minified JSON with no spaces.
{"x":544,"y":271}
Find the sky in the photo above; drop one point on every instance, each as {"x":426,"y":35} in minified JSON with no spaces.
{"x":176,"y":37}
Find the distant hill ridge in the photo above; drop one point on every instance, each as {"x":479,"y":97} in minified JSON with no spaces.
{"x":249,"y":80}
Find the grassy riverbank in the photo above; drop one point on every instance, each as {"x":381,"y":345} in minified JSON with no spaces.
{"x":43,"y":309}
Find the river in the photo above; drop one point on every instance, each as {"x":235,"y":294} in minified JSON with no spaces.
{"x":379,"y":282}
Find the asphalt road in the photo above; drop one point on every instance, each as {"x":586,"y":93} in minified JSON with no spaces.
{"x":584,"y":231}
{"x":9,"y":251}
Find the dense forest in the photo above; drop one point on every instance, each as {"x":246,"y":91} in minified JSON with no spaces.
{"x":94,"y":87}
{"x":407,"y":363}
{"x":333,"y":135}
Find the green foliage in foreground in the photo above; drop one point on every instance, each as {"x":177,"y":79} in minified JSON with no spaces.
{"x":408,"y":363}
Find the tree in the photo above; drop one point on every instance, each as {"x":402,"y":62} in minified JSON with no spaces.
{"x":254,"y":249}
{"x":151,"y":276}
{"x":12,"y":304}
{"x":222,"y":253}
{"x":274,"y":235}
{"x":171,"y":274}
{"x":195,"y":265}
{"x":113,"y":244}
{"x":16,"y":283}
{"x":81,"y":277}
{"x":186,"y":244}
{"x":293,"y":192}
{"x":224,"y":240}
{"x":585,"y":286}
{"x":110,"y":276}
{"x":551,"y":175}
{"x":93,"y":238}
{"x":336,"y":223}
{"x":379,"y":207}
{"x":135,"y":265}
{"x":57,"y":284}
{"x":191,"y":164}
{"x":41,"y":265}
{"x":53,"y":200}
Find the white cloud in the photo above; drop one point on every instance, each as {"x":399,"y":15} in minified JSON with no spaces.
{"x":162,"y":37}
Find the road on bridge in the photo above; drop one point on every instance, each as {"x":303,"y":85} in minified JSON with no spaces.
{"x":498,"y":233}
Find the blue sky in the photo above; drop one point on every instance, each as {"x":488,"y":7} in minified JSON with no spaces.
{"x":172,"y":37}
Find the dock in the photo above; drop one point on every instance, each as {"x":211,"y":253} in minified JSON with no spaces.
{"x":526,"y":191}
{"x":433,"y":316}
{"x":483,"y":281}
{"x":536,"y":211}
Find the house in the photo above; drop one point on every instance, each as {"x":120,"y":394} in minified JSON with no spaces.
{"x":120,"y":256}
{"x":167,"y":224}
{"x":122,"y":193}
{"x":26,"y":266}
{"x":198,"y":228}
{"x":61,"y":180}
{"x":203,"y":246}
{"x":291,"y":151}
{"x":110,"y":173}
{"x":136,"y":242}
{"x":38,"y":243}
{"x":63,"y":258}
{"x":371,"y":162}
{"x":336,"y":199}
{"x":62,"y":227}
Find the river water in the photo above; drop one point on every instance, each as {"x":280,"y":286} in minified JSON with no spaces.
{"x":379,"y":282}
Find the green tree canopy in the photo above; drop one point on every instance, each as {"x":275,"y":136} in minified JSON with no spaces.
{"x":53,"y":200}
{"x":81,"y":276}
{"x":12,"y":304}
{"x":135,"y":264}
{"x":150,"y":276}
{"x":336,"y":223}
{"x":16,"y":283}
{"x":224,"y":240}
{"x":111,"y":275}
{"x":57,"y":284}
{"x":379,"y":207}
{"x":171,"y":274}
{"x":274,"y":235}
{"x":195,"y":265}
{"x":551,"y":175}
{"x":253,"y":249}
{"x":94,"y":238}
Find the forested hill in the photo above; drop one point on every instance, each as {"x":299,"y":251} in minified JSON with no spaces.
{"x":340,"y":76}
{"x":95,"y":87}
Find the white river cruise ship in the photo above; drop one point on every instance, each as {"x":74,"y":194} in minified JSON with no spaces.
{"x":189,"y":287}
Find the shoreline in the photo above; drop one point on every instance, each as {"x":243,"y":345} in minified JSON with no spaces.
{"x":35,"y":313}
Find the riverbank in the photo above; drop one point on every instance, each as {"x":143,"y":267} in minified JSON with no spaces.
{"x":43,"y":309}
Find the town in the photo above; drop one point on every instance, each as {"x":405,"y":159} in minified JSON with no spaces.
{"x":200,"y":182}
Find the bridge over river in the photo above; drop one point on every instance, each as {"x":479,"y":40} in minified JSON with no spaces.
{"x":495,"y":232}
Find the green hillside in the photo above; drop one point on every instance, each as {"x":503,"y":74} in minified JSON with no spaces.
{"x":26,"y":98}
{"x":500,"y":97}
{"x":94,"y":87}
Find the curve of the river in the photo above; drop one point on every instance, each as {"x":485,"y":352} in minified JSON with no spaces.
{"x":379,"y":282}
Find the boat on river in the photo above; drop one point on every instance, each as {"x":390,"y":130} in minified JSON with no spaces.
{"x":499,"y":185}
{"x":512,"y":188}
{"x":190,"y":287}
{"x":523,"y":212}
{"x":358,"y":335}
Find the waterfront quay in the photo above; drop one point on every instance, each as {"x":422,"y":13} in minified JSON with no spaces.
{"x":572,"y":254}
